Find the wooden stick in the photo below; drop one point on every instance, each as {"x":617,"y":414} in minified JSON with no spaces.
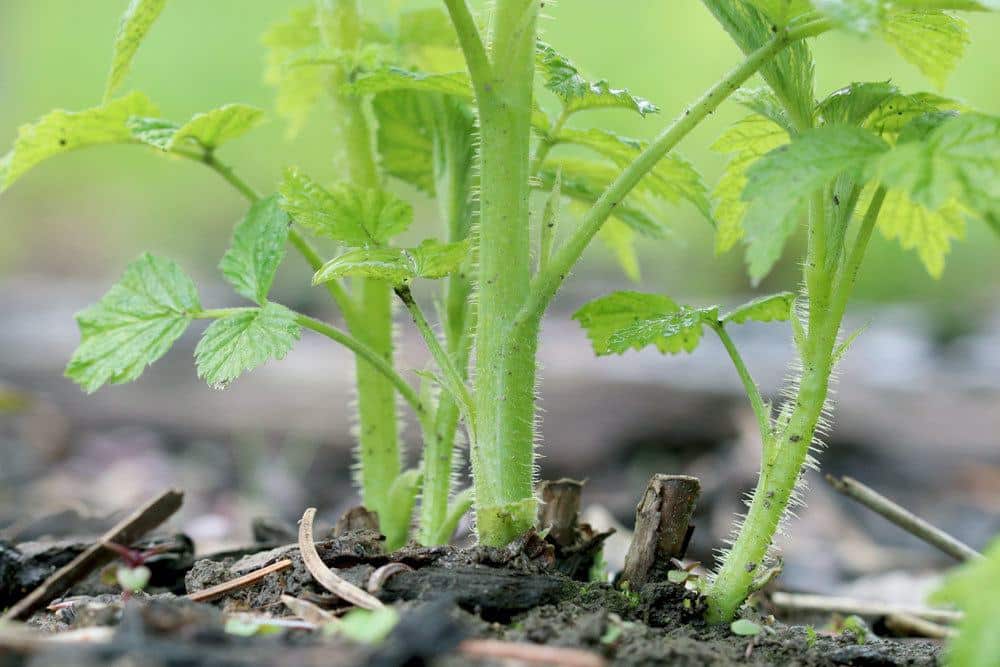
{"x":903,"y":518}
{"x":560,"y":510}
{"x":532,"y":653}
{"x":843,"y":605}
{"x":662,"y":527}
{"x":326,"y":577}
{"x":126,"y":531}
{"x":219,"y":590}
{"x":908,"y":625}
{"x":309,"y":612}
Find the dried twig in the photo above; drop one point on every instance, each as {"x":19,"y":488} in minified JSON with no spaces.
{"x":533,"y":653}
{"x":219,"y":590}
{"x":806,"y":602}
{"x":326,"y":577}
{"x":126,"y":531}
{"x":382,"y":575}
{"x":560,"y":510}
{"x":903,"y":518}
{"x":908,"y":625}
{"x":307,"y":611}
{"x":29,"y":640}
{"x":662,"y":527}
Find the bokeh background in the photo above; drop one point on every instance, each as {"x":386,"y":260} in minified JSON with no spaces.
{"x":920,"y":409}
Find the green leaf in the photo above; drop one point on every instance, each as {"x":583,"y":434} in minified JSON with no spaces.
{"x":397,"y":512}
{"x":390,"y":79}
{"x":779,"y":184}
{"x":744,"y":628}
{"x":775,"y":307}
{"x":897,"y":111}
{"x":428,"y":40}
{"x":932,"y":40}
{"x":460,"y":504}
{"x":782,"y":11}
{"x":620,"y":238}
{"x":928,"y":232}
{"x":858,"y":16}
{"x":346,"y":213}
{"x":975,"y":589}
{"x":853,"y":104}
{"x":405,"y":139}
{"x":748,"y":140}
{"x":258,"y":247}
{"x":299,"y":88}
{"x":62,"y":131}
{"x":672,"y":179}
{"x":671,"y":333}
{"x":586,"y":180}
{"x":240,"y":342}
{"x":397,"y":266}
{"x":958,"y":160}
{"x":789,"y":73}
{"x":562,"y":77}
{"x":624,"y":320}
{"x":207,"y":130}
{"x":135,"y":23}
{"x":134,"y":324}
{"x":367,"y":627}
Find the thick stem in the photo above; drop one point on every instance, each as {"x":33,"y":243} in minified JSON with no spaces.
{"x":503,"y":456}
{"x":378,"y":437}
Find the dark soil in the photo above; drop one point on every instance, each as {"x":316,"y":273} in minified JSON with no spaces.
{"x":514,"y":594}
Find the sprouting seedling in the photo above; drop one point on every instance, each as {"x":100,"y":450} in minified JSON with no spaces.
{"x":132,"y":574}
{"x":436,"y":102}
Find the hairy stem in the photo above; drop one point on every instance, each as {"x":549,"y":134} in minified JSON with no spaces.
{"x":783,"y":458}
{"x":378,"y":437}
{"x":503,"y":454}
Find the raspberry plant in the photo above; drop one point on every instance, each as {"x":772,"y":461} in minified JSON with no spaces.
{"x":446,"y":103}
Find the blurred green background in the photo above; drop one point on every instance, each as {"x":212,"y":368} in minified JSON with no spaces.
{"x":87,"y":214}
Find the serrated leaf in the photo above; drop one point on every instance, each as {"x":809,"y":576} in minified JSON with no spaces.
{"x":62,"y":131}
{"x":346,"y":213}
{"x":775,"y":307}
{"x":134,"y":324}
{"x":916,"y":228}
{"x":671,"y":334}
{"x":135,"y":23}
{"x":749,"y":140}
{"x":672,"y":179}
{"x":620,"y":238}
{"x":624,"y":320}
{"x":207,"y":130}
{"x":298,"y":88}
{"x":897,"y":111}
{"x":585,"y":181}
{"x":405,"y":140}
{"x":397,"y":266}
{"x":932,"y":40}
{"x":390,"y":79}
{"x":789,"y":73}
{"x":243,"y":341}
{"x":577,"y":93}
{"x":779,"y":184}
{"x":853,"y":104}
{"x":258,"y":247}
{"x":764,"y":102}
{"x":975,"y":589}
{"x":959,"y":160}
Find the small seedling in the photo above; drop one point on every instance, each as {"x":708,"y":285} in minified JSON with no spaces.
{"x":811,"y":636}
{"x":132,"y":574}
{"x":855,"y":626}
{"x":745,"y":628}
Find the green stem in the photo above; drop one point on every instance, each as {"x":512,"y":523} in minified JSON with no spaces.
{"x":782,"y":464}
{"x":548,"y":142}
{"x":472,"y":44}
{"x":760,"y":408}
{"x":503,"y":455}
{"x":547,"y":283}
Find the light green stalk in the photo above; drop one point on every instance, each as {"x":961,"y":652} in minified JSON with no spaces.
{"x":378,"y":435}
{"x":503,"y":455}
{"x":786,"y":451}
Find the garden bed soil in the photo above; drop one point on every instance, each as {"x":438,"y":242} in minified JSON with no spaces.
{"x":446,"y":596}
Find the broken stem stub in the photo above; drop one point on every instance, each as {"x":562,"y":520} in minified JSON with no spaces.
{"x":559,"y":511}
{"x":662,"y":528}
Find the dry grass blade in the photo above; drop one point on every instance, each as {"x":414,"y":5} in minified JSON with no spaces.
{"x":326,"y":577}
{"x":218,"y":590}
{"x":308,"y":611}
{"x":538,"y":654}
{"x":383,"y":574}
{"x":806,"y":602}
